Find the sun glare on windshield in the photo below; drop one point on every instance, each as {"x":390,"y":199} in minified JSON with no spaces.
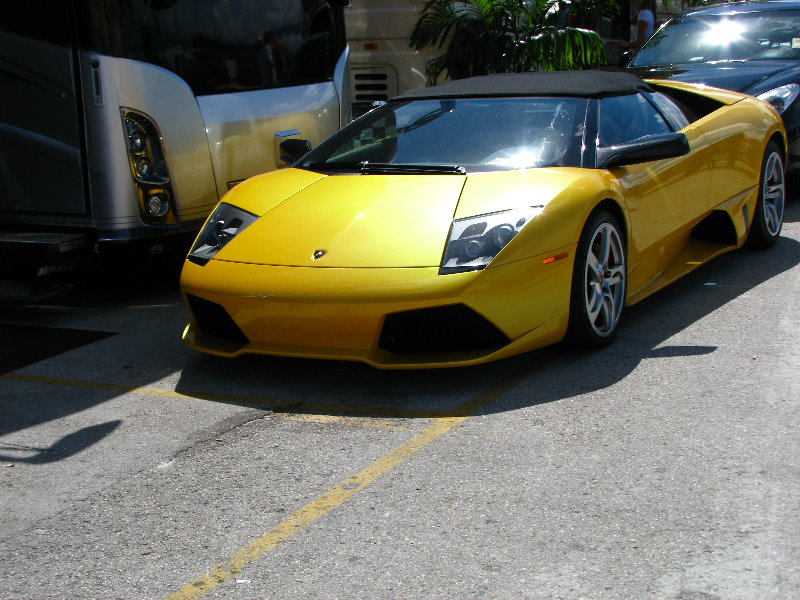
{"x":723,"y":33}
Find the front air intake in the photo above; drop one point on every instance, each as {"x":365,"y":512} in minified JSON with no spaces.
{"x":441,"y":329}
{"x":212,"y":318}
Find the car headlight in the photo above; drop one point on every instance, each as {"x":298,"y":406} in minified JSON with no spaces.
{"x":781,"y":97}
{"x":475,"y":241}
{"x":225,"y":223}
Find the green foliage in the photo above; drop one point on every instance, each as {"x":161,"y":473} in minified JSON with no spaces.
{"x":587,"y":13}
{"x":480,"y":37}
{"x":681,"y":4}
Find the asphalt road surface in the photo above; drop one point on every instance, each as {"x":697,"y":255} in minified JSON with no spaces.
{"x":665,"y":466}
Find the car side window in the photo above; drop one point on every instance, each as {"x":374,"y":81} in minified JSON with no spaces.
{"x":624,"y":119}
{"x":670,"y":109}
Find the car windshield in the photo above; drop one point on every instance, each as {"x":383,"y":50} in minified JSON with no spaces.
{"x":440,"y":136}
{"x":764,"y":35}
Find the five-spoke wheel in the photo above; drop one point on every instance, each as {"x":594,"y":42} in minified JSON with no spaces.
{"x":598,"y":282}
{"x":768,"y":217}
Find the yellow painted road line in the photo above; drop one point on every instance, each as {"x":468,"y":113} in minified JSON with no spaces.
{"x":333,"y":498}
{"x":362,"y":422}
{"x":277,"y":404}
{"x":445,"y":421}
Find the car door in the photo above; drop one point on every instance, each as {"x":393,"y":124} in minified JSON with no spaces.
{"x":664,"y":198}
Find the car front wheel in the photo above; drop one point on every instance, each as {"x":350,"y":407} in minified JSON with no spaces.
{"x":598,"y":283}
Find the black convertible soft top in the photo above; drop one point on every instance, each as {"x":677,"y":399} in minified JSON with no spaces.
{"x":542,"y":83}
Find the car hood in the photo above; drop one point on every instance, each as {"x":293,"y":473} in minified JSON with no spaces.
{"x":354,"y":221}
{"x":750,"y":77}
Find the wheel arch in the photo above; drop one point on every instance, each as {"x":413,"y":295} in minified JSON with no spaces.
{"x":612,"y":206}
{"x":779,"y":138}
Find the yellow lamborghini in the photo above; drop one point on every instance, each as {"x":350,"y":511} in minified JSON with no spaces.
{"x":485,"y":217}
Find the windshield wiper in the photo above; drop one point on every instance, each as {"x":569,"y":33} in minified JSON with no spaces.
{"x":445,"y":106}
{"x":333,"y":166}
{"x":369,"y":168}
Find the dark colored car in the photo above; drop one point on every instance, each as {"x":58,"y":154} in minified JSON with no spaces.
{"x":750,"y":47}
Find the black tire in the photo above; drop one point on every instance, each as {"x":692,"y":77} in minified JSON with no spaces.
{"x":599,"y":283}
{"x":768,"y":218}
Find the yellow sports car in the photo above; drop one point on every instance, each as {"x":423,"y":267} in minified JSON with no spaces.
{"x":485,"y":217}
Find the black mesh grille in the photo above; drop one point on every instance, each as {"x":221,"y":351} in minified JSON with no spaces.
{"x":212,"y":319}
{"x":453,"y":328}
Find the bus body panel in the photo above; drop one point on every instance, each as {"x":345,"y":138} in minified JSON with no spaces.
{"x":213,"y":88}
{"x":245,"y":129}
{"x":39,"y":129}
{"x":382,"y":63}
{"x":169,"y":102}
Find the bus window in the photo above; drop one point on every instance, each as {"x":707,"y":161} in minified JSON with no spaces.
{"x":244,"y":46}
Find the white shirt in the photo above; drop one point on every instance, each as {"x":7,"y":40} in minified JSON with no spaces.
{"x":648,"y":17}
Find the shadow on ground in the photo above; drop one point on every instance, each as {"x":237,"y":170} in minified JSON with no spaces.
{"x":140,"y":316}
{"x":557,"y":372}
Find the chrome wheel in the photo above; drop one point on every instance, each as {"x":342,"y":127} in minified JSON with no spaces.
{"x":773,"y":194}
{"x":768,"y":214}
{"x":604,"y":289}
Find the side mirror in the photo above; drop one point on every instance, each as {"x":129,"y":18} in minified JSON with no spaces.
{"x":293,"y":149}
{"x":646,"y":149}
{"x":624,"y":58}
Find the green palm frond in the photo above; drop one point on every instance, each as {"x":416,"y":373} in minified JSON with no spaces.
{"x":495,"y":36}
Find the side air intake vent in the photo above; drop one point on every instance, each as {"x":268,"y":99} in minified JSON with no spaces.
{"x":214,"y":320}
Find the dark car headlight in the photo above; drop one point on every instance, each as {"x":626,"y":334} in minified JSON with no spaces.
{"x":781,"y":97}
{"x":475,"y":241}
{"x":225,"y":223}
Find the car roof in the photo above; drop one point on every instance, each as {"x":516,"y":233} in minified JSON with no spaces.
{"x":746,"y":6}
{"x":542,"y":83}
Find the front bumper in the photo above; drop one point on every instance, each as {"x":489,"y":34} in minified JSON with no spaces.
{"x":389,"y":318}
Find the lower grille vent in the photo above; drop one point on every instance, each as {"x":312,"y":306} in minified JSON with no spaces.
{"x":453,"y":328}
{"x":214,"y":320}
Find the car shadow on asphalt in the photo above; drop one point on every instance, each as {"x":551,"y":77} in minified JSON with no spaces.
{"x":546,"y":375}
{"x":342,"y":388}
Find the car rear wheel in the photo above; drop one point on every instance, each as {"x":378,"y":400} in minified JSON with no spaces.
{"x":599,"y":282}
{"x":768,"y":217}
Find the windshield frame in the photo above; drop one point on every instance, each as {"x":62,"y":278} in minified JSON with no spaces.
{"x":333,"y":155}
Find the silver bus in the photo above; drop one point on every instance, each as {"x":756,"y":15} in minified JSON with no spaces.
{"x":125,"y":121}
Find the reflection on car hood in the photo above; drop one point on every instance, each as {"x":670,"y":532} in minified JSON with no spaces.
{"x":356,"y":221}
{"x":751,"y":77}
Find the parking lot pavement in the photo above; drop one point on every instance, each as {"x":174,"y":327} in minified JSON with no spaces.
{"x":664,"y":467}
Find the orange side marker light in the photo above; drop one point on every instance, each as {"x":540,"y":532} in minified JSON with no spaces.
{"x":552,"y":259}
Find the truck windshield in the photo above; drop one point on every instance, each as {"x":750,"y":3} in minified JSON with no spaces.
{"x":220,"y":46}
